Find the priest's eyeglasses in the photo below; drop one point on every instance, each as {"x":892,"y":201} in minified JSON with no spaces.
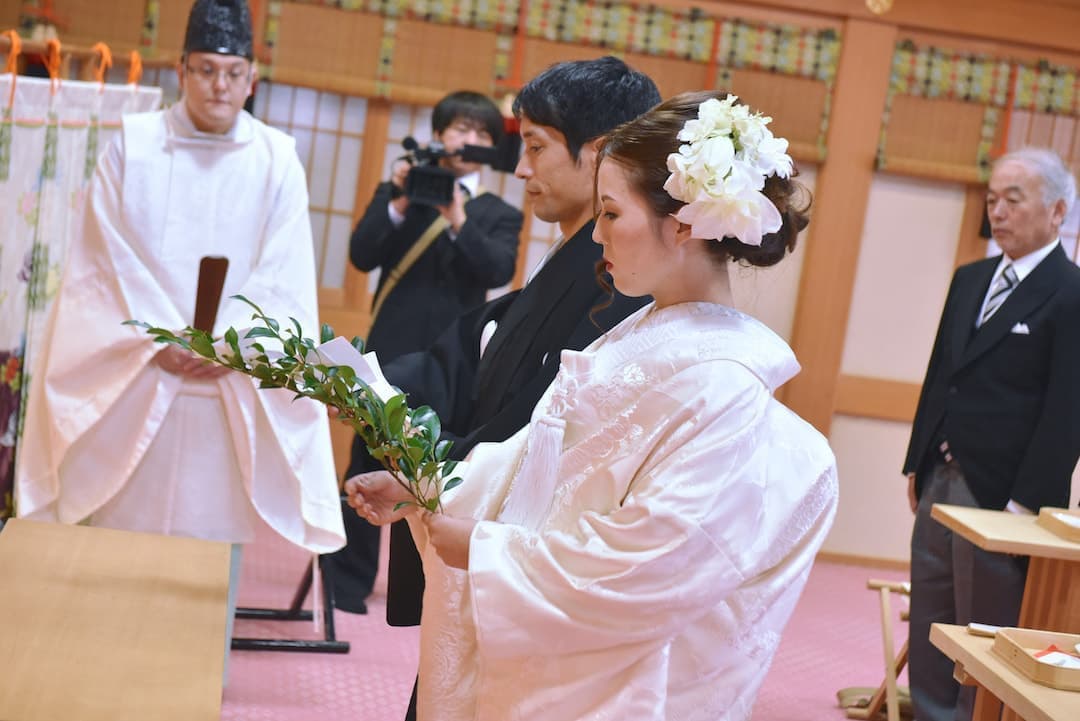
{"x":234,"y":76}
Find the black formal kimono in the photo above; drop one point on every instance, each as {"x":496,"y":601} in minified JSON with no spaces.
{"x":489,"y":398}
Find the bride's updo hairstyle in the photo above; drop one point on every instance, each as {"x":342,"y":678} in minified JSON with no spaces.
{"x":702,"y":157}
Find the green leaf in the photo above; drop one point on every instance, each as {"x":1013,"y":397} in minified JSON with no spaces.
{"x":326,"y":333}
{"x":242,"y":299}
{"x":365,"y":415}
{"x":415,"y":454}
{"x":233,"y":341}
{"x":452,"y":483}
{"x":347,"y":374}
{"x":296,"y":327}
{"x":258,"y":332}
{"x":202,"y":345}
{"x":395,"y":414}
{"x":357,"y":343}
{"x":426,"y":418}
{"x":173,"y":340}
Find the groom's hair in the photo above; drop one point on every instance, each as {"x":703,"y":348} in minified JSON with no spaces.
{"x":584,"y":99}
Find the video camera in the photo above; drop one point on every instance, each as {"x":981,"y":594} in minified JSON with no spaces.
{"x":428,"y":183}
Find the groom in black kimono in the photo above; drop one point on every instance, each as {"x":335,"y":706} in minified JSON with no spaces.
{"x":485,"y":373}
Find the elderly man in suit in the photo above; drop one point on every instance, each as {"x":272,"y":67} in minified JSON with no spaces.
{"x":998,"y":420}
{"x":489,"y":368}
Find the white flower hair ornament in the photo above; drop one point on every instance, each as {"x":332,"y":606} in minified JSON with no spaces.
{"x":721,"y":170}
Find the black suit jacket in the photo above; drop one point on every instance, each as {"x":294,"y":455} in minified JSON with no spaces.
{"x":489,"y":399}
{"x":451,"y":277}
{"x":1006,"y":396}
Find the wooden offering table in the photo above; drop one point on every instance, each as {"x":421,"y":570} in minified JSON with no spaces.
{"x":103,"y":625}
{"x":1052,"y":592}
{"x":999,"y":683}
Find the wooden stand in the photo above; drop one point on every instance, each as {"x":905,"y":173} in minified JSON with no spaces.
{"x":998,"y":682}
{"x":1052,"y":592}
{"x":861,"y":702}
{"x":108,"y":625}
{"x":329,"y":642}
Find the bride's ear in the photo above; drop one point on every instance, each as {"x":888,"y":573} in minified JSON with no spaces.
{"x":680,"y":232}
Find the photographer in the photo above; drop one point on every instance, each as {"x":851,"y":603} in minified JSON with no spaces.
{"x":472,"y":246}
{"x":436,"y":262}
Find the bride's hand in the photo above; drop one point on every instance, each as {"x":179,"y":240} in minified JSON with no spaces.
{"x":374,"y":496}
{"x":450,"y":537}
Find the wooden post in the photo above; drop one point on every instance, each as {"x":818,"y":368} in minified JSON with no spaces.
{"x":842,"y":192}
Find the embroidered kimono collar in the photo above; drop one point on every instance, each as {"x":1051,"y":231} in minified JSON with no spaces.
{"x":689,"y":333}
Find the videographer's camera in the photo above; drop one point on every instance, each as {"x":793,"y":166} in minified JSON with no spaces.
{"x":428,"y":183}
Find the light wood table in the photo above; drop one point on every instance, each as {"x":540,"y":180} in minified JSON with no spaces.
{"x":1052,"y":592}
{"x":999,"y":683}
{"x":102,"y":625}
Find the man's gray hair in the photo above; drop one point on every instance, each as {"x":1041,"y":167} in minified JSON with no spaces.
{"x":1058,"y":181}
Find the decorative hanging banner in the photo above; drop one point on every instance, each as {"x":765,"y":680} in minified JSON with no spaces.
{"x":1047,"y":88}
{"x":151,"y":18}
{"x":504,"y":52}
{"x":623,"y":27}
{"x":270,"y":36}
{"x":384,"y":73}
{"x":495,"y":15}
{"x":932,"y":72}
{"x":479,"y":14}
{"x":626,"y":27}
{"x":620,"y":27}
{"x":6,"y":123}
{"x":92,"y":139}
{"x":784,"y":49}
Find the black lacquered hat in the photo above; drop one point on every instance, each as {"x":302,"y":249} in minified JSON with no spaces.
{"x":219,"y":26}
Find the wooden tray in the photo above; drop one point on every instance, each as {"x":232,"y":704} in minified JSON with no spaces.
{"x":1051,"y":519}
{"x":1018,"y":646}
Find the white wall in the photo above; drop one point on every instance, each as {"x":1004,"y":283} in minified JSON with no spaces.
{"x":905,"y":264}
{"x":873,"y":518}
{"x":902,"y":276}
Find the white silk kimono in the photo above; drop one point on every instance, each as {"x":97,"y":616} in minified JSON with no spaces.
{"x":110,"y":436}
{"x":642,"y":543}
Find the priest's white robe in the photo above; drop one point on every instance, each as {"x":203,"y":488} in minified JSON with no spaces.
{"x":642,"y":543}
{"x":110,"y":436}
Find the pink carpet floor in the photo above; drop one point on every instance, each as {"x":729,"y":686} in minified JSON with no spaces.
{"x":832,"y":642}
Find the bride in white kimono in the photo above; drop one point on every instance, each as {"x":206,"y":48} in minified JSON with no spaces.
{"x":635,"y":552}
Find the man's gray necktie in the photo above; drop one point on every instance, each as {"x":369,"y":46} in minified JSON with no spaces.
{"x":1002,"y":287}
